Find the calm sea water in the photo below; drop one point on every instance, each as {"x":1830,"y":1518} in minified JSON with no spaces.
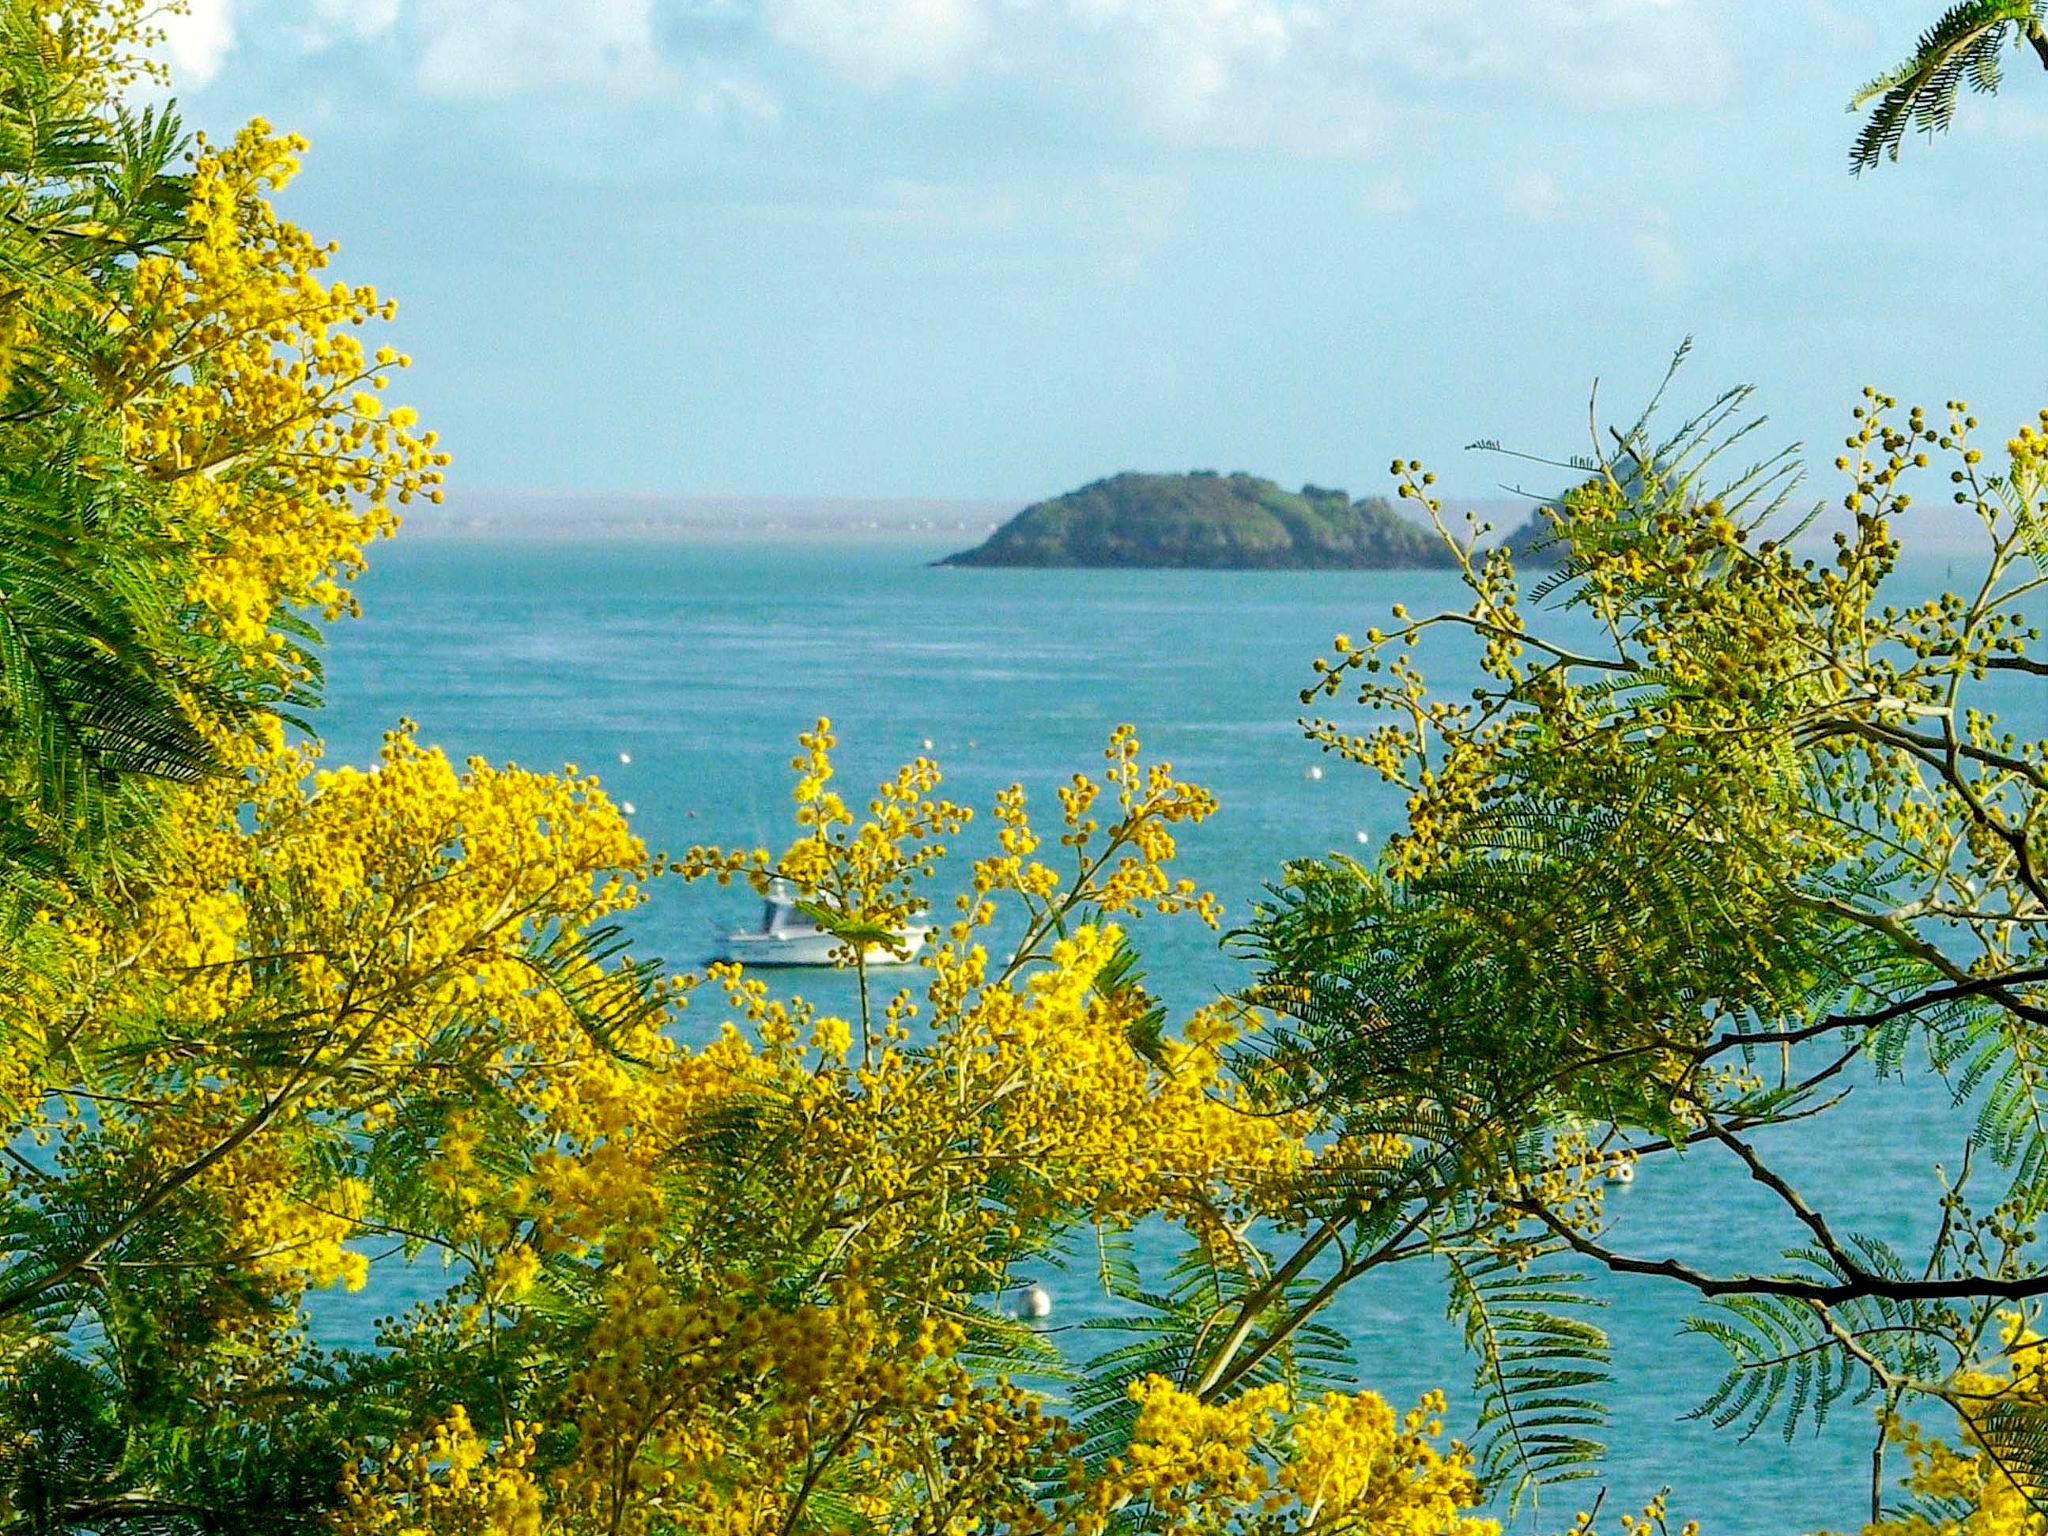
{"x":702,"y":662}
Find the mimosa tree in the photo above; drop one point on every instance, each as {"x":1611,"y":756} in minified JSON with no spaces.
{"x":1728,"y":829}
{"x":272,"y":1027}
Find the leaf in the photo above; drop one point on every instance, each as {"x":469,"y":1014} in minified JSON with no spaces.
{"x":1961,"y":47}
{"x":1539,"y":1363}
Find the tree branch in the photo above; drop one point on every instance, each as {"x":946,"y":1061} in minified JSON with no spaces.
{"x":1793,"y":1287}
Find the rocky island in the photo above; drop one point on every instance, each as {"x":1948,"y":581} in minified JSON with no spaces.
{"x":1206,"y":520}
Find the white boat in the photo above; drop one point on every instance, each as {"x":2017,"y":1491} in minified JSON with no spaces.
{"x":788,"y":937}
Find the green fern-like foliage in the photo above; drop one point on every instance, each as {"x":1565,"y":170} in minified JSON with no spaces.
{"x":1960,"y":50}
{"x":1542,"y":1362}
{"x":1726,"y":833}
{"x":1176,"y":1332}
{"x":1535,"y":976}
{"x":93,"y":696}
{"x":107,"y":687}
{"x":80,"y":1460}
{"x":2013,"y":1433}
{"x":1790,"y":1363}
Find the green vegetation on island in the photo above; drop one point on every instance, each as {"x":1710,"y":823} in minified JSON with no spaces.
{"x":1206,"y":520}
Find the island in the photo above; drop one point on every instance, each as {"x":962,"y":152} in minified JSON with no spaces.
{"x":1209,"y":521}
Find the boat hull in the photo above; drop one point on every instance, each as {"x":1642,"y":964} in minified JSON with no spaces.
{"x":811,"y":949}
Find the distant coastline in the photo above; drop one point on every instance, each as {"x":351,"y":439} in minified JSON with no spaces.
{"x":552,"y":515}
{"x":950,"y":523}
{"x":926,"y":526}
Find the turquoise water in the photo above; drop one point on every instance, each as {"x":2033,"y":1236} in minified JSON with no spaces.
{"x":702,"y":662}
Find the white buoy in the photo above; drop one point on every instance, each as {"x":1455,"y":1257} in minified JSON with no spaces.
{"x":626,"y":806}
{"x":1314,"y":773}
{"x":1364,"y":836}
{"x":1625,"y":1175}
{"x":927,"y":743}
{"x":1037,"y":1301}
{"x":625,"y":757}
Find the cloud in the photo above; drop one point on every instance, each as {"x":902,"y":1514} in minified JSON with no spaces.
{"x":198,"y":41}
{"x":1588,"y":54}
{"x":1308,"y":78}
{"x":1200,"y":72}
{"x":1540,"y":198}
{"x":360,"y":20}
{"x":501,"y":48}
{"x":486,"y":50}
{"x":1302,"y":76}
{"x":880,"y":43}
{"x":462,"y":48}
{"x":1218,"y":73}
{"x":323,"y":24}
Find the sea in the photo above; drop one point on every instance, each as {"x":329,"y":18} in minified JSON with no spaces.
{"x":681,"y":668}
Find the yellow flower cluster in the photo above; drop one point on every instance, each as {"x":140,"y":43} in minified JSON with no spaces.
{"x":1970,"y":1490}
{"x":779,"y":1327}
{"x":247,"y":392}
{"x":1570,"y":1182}
{"x":109,"y":41}
{"x":1346,"y":1462}
{"x":324,"y":951}
{"x":448,"y":1481}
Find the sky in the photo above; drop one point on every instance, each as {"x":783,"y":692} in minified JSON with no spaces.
{"x":997,"y":248}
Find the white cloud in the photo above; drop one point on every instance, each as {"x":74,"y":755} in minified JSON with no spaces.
{"x":501,"y":48}
{"x":880,"y":43}
{"x":463,"y":48}
{"x":1245,"y":74}
{"x":1305,"y":76}
{"x":360,"y":20}
{"x":1590,"y":54}
{"x":324,"y":24}
{"x":1541,"y":198}
{"x":1196,"y":70}
{"x":197,"y":41}
{"x":1226,"y":73}
{"x":1343,"y":78}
